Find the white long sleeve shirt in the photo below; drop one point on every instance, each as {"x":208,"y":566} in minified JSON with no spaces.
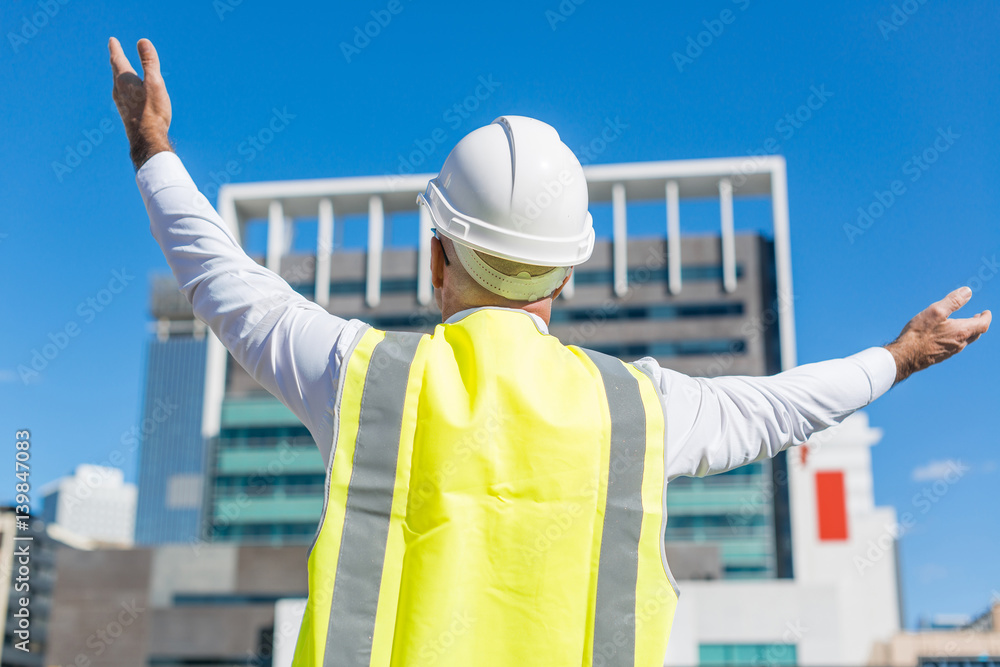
{"x":295,"y":349}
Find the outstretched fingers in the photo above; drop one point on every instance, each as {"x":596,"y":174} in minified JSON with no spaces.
{"x":149,"y":59}
{"x":978,"y":325}
{"x":967,"y":330}
{"x":119,"y":61}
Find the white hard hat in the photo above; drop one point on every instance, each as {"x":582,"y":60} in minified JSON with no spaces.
{"x":514,"y":190}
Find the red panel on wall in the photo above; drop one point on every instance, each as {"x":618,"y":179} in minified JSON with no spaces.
{"x":831,"y":505}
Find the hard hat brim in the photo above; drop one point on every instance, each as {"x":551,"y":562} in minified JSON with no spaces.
{"x":502,"y":242}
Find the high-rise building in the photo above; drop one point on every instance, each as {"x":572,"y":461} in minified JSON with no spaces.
{"x":94,"y":503}
{"x":172,"y":454}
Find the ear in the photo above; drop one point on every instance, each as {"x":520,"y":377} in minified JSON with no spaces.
{"x":565,"y":280}
{"x":437,"y":263}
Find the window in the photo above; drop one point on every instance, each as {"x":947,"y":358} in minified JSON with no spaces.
{"x":746,"y":654}
{"x":675,"y":348}
{"x":645,"y":312}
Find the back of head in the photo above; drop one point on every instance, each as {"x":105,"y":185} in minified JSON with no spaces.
{"x":513,"y":199}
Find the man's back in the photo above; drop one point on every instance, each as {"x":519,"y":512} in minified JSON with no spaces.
{"x":522,"y":515}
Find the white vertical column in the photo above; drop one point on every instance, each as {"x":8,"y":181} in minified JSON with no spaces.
{"x":619,"y":237}
{"x":275,"y":236}
{"x":376,"y":228}
{"x":215,"y":386}
{"x":425,"y":290}
{"x":673,"y":238}
{"x":783,"y":264}
{"x":324,"y":247}
{"x":215,"y":353}
{"x":227,"y":209}
{"x":728,"y":240}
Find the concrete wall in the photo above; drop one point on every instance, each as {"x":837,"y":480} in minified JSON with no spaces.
{"x":100,"y":608}
{"x":184,"y":602}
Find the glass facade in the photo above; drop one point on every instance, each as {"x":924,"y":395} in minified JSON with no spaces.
{"x":732,"y":511}
{"x":720,"y":655}
{"x":267,"y":476}
{"x":171,"y":462}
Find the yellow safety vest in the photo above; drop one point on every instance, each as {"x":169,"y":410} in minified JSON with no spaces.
{"x":494,"y":497}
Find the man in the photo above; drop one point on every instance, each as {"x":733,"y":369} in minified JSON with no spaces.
{"x":450,"y":454}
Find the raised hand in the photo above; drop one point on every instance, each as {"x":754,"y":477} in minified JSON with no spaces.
{"x":931,"y":336}
{"x":143,"y":104}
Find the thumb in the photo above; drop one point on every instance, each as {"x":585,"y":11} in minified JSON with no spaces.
{"x":149,"y":59}
{"x":954,"y":301}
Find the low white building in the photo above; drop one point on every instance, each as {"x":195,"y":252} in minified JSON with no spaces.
{"x":94,"y":504}
{"x":843,"y":598}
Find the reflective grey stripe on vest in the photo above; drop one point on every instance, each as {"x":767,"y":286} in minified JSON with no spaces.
{"x":618,"y":570}
{"x":369,"y":502}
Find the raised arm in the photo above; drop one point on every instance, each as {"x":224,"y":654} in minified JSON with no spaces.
{"x":716,"y":424}
{"x":289,"y":344}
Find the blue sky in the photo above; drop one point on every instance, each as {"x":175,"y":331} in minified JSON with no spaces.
{"x":896,"y":78}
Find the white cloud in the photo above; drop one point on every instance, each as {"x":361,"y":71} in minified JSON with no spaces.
{"x":947,"y":469}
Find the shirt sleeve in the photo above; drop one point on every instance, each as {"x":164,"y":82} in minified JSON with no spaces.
{"x":717,"y":424}
{"x":292,"y":346}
